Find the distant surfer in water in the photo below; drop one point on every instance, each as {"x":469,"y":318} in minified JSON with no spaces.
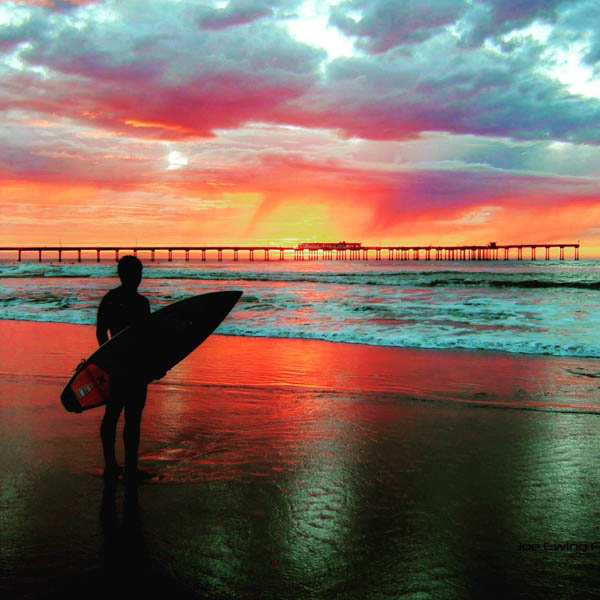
{"x":120,"y":308}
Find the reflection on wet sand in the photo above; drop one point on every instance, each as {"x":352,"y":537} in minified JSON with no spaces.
{"x":304,"y":473}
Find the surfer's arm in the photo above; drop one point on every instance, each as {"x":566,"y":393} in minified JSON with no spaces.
{"x":101,"y":335}
{"x":101,"y":324}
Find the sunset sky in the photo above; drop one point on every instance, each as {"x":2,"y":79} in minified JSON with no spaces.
{"x":280,"y":121}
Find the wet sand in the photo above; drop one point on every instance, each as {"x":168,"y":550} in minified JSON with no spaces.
{"x":303,"y":469}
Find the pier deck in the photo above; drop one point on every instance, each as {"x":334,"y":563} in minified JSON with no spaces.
{"x":312,"y":251}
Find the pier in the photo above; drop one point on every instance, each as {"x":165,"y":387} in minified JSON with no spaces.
{"x":307,"y":251}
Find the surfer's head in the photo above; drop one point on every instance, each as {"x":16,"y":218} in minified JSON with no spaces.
{"x":130,"y":272}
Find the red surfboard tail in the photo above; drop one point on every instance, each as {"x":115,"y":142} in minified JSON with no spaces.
{"x":89,"y":388}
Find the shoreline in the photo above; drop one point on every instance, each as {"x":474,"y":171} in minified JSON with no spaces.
{"x":486,"y":351}
{"x":460,"y":377}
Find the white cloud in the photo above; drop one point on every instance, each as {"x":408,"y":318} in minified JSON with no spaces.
{"x":312,"y":27}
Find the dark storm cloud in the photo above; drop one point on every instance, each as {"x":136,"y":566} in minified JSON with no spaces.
{"x":13,"y":35}
{"x":580,"y":23}
{"x":153,"y":72}
{"x":384,"y":24}
{"x":240,"y":12}
{"x":184,"y":72}
{"x":380,"y":25}
{"x":492,"y":18}
{"x":445,"y":87}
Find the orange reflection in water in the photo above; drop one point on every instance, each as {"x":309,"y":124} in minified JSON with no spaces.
{"x":253,"y":406}
{"x":413,"y":373}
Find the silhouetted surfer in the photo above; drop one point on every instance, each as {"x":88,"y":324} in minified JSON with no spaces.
{"x":121,"y":307}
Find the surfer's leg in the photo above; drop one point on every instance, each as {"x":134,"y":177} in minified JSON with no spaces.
{"x":133,"y":422}
{"x":108,"y":432}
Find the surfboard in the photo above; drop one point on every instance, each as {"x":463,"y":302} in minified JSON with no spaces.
{"x":153,"y":346}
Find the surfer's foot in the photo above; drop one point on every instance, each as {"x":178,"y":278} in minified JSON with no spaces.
{"x":138,"y":475}
{"x":112,"y":472}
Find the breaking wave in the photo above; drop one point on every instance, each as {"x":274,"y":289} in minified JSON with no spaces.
{"x":549,"y":308}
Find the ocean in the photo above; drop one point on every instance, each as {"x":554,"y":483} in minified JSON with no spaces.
{"x":298,"y":468}
{"x":527,"y":307}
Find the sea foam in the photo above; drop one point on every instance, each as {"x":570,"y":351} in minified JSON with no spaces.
{"x":533,"y":308}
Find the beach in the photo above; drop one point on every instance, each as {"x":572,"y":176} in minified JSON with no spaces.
{"x":352,"y":247}
{"x":290,"y":468}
